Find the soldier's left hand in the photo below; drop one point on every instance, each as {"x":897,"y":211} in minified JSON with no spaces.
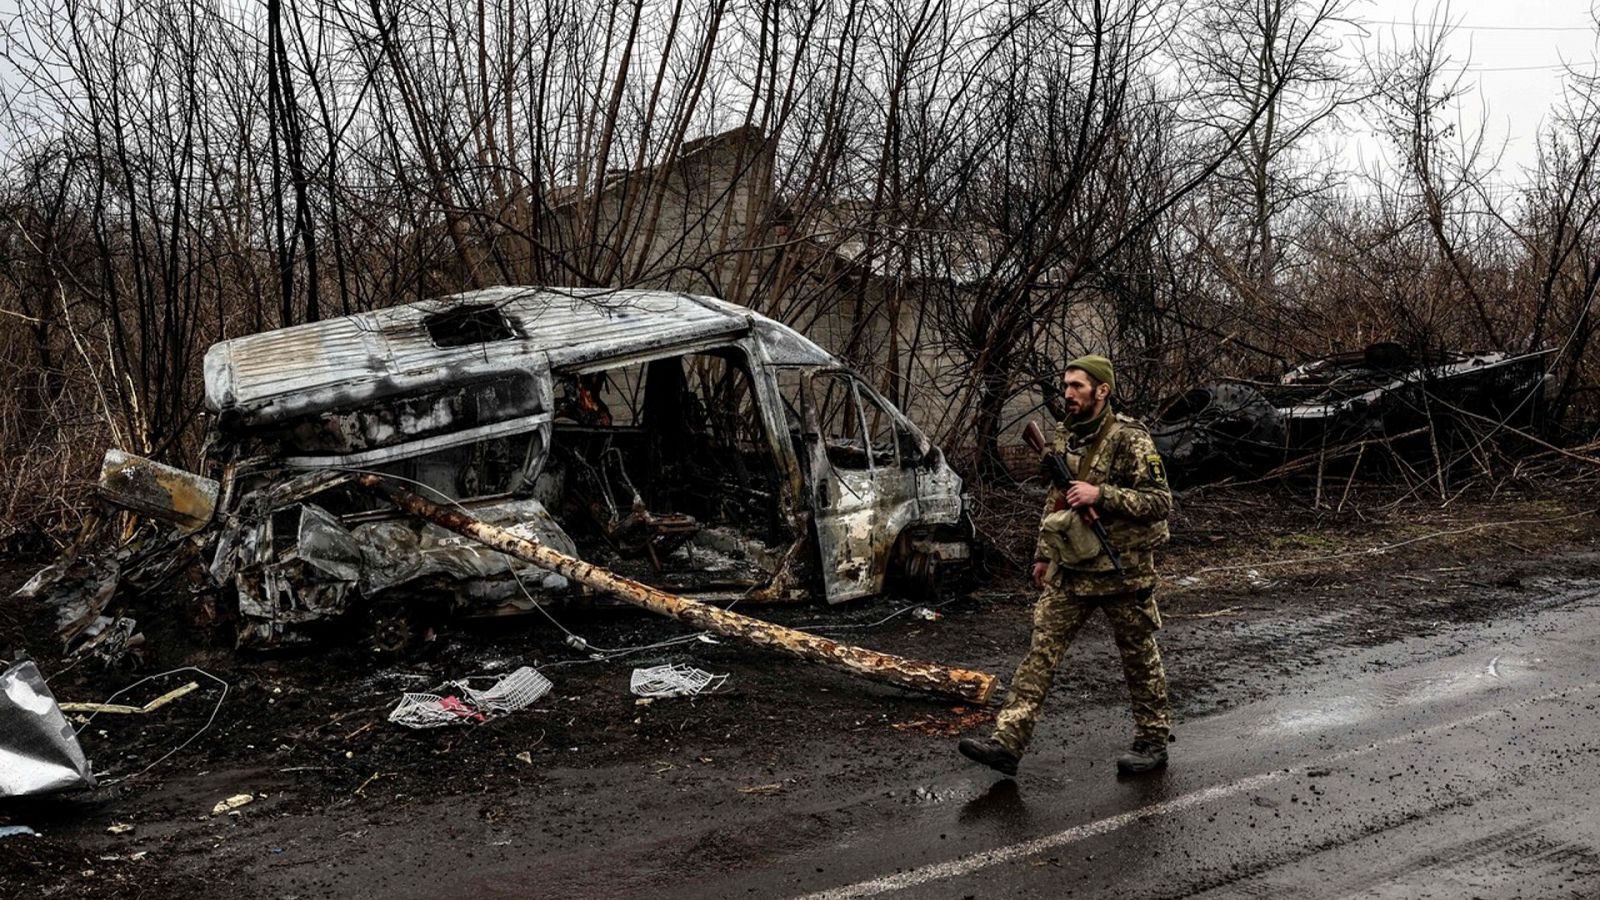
{"x":1082,"y":494}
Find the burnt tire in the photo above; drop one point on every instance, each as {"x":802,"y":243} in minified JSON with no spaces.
{"x":395,"y":630}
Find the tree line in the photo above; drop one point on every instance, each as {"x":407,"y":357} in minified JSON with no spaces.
{"x":975,"y":190}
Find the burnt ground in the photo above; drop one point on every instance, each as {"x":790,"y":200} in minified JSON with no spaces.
{"x":1258,"y":587}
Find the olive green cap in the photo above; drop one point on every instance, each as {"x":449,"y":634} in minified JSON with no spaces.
{"x":1096,"y":365}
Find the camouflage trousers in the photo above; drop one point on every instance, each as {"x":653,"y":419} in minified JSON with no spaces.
{"x":1056,"y":620}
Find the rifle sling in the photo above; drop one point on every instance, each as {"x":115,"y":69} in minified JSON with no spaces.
{"x":1086,"y":461}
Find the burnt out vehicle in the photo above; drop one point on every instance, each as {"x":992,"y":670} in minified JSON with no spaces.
{"x":680,"y":440}
{"x":1385,"y":391}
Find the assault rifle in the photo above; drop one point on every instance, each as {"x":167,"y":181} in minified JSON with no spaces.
{"x":1061,"y":476}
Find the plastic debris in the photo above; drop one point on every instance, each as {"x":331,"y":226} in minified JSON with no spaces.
{"x":16,"y":831}
{"x":456,"y":702}
{"x":119,"y":828}
{"x":39,"y":752}
{"x":1257,"y":580}
{"x":675,"y":680}
{"x":926,"y":614}
{"x":430,"y":711}
{"x":231,"y":804}
{"x":513,"y":692}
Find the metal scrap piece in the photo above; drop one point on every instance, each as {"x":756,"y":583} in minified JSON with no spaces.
{"x":39,"y":753}
{"x":173,"y":495}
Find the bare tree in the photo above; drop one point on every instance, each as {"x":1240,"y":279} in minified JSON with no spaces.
{"x":1561,"y":231}
{"x":1271,"y":69}
{"x":1442,"y":169}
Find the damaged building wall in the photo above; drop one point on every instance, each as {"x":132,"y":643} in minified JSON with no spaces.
{"x":690,"y":222}
{"x":711,"y":220}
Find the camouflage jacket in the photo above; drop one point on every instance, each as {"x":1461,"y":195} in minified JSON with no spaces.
{"x":1134,"y":504}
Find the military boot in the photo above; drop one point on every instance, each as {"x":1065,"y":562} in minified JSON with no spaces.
{"x":991,"y":753}
{"x":1144,"y":756}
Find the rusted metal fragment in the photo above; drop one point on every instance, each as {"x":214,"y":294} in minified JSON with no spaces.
{"x":152,"y":489}
{"x":79,"y":586}
{"x":314,"y":571}
{"x":787,"y":584}
{"x":83,"y":587}
{"x":974,"y":687}
{"x":402,"y":552}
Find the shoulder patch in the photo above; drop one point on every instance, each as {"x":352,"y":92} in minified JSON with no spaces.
{"x":1158,"y":473}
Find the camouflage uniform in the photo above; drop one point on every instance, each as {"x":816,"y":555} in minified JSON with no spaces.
{"x":1134,"y":504}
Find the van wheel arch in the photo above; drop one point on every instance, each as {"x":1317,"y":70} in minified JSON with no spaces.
{"x":919,"y":571}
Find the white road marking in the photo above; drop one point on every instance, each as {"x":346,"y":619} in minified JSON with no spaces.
{"x":966,"y":865}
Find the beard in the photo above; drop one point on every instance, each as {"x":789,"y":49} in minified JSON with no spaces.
{"x":1083,"y":413}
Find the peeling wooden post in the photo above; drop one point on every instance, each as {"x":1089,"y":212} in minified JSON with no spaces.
{"x":963,"y":684}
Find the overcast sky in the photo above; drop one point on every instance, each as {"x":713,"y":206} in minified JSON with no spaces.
{"x":1513,"y":54}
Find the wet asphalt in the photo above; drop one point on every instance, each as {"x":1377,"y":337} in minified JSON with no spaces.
{"x":1474,"y":772}
{"x":1460,"y":760}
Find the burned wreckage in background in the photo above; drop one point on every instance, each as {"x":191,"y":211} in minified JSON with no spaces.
{"x":680,"y":440}
{"x":1384,"y":392}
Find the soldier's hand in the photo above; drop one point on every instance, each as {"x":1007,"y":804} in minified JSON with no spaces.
{"x":1082,"y":493}
{"x":1039,"y":570}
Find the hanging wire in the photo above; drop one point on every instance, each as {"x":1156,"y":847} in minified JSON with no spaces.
{"x":203,"y":728}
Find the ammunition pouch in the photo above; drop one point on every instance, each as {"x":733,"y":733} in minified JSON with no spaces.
{"x":1067,"y":538}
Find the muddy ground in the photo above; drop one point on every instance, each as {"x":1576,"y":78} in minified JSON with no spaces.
{"x":1257,"y":586}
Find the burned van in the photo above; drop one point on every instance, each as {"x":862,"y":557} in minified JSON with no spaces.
{"x":680,"y":440}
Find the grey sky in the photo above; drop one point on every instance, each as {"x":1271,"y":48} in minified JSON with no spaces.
{"x":1512,"y":53}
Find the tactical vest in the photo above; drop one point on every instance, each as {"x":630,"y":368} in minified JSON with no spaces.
{"x":1064,"y":537}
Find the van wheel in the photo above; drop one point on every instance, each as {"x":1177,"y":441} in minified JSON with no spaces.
{"x":929,"y":567}
{"x":396,"y":629}
{"x":919,"y":577}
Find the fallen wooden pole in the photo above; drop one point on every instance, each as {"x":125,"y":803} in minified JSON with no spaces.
{"x":964,"y":684}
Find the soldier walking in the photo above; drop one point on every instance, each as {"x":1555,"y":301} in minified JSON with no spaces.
{"x":1122,"y":480}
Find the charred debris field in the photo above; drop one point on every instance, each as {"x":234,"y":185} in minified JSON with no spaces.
{"x":1256,"y":585}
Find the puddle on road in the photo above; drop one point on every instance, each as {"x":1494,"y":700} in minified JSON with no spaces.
{"x":1482,"y":672}
{"x":1478,"y":675}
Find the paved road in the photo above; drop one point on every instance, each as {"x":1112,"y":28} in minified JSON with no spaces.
{"x":1406,"y":749}
{"x":1474,"y":772}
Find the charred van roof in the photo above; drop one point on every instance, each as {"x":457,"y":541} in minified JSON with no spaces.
{"x":288,"y":371}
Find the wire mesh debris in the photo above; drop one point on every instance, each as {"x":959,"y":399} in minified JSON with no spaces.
{"x":515,"y":691}
{"x":675,"y":680}
{"x":457,"y":702}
